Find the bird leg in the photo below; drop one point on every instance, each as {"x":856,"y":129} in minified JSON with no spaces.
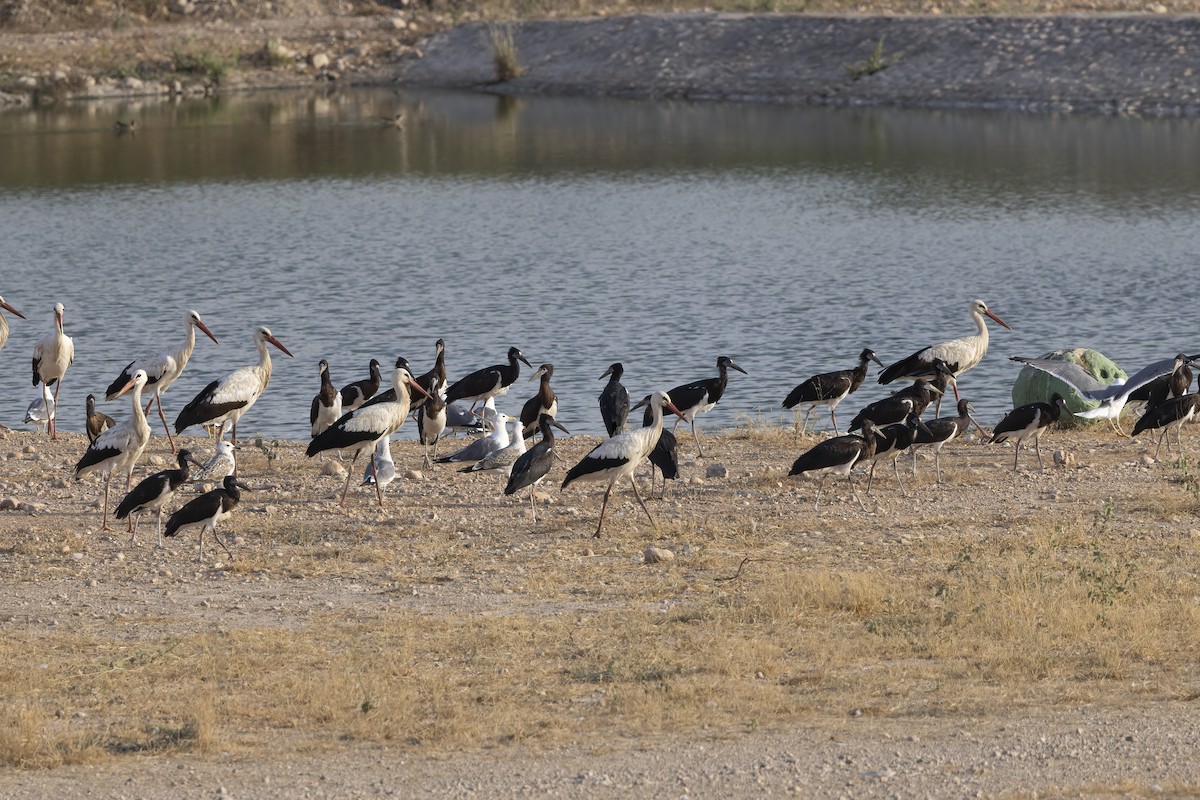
{"x":820,"y":486}
{"x":603,"y":505}
{"x":375,"y":475}
{"x":696,"y":439}
{"x":349,"y":473}
{"x":1016,"y":454}
{"x":166,"y":427}
{"x":53,"y":425}
{"x":107,"y":481}
{"x":133,"y":526}
{"x":896,"y":469}
{"x":533,"y":505}
{"x":643,"y":504}
{"x":223,"y":547}
{"x":937,"y":463}
{"x":833,"y":416}
{"x":160,"y":513}
{"x":854,"y":494}
{"x":870,"y":478}
{"x":1037,"y":448}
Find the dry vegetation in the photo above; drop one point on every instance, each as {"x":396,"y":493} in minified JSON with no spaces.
{"x":449,"y":621}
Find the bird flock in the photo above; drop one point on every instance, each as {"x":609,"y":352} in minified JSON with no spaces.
{"x":359,"y":418}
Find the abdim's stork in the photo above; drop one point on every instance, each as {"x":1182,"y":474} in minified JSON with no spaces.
{"x":938,"y":432}
{"x":837,"y":456}
{"x":205,"y":511}
{"x":830,"y":388}
{"x":360,"y":429}
{"x":434,"y":381}
{"x":431,"y":423}
{"x":893,"y":440}
{"x":359,"y":392}
{"x":51,"y":357}
{"x":41,"y":411}
{"x":962,"y":353}
{"x":154,"y":492}
{"x":544,"y":402}
{"x":227,"y":399}
{"x":4,"y":323}
{"x":1169,"y":415}
{"x":502,"y":460}
{"x":614,"y":400}
{"x":700,"y":396}
{"x":665,"y":455}
{"x":97,"y":421}
{"x":532,"y":465}
{"x":120,"y":447}
{"x":1028,"y":422}
{"x":896,"y":408}
{"x":327,"y":404}
{"x":164,"y":367}
{"x":617,"y":457}
{"x":489,"y":381}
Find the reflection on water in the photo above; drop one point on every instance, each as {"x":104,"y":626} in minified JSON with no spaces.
{"x":585,"y":232}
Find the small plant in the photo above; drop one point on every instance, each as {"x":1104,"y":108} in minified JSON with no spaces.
{"x":870,"y":65}
{"x":1106,"y":581}
{"x":504,"y":53}
{"x":273,"y":54}
{"x":210,"y":64}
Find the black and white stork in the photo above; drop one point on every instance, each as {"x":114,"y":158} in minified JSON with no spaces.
{"x":118,"y":448}
{"x":938,"y":432}
{"x":230,"y":397}
{"x":51,"y":356}
{"x":544,"y":402}
{"x":665,"y":455}
{"x":97,"y":422}
{"x":962,"y":353}
{"x":1170,"y":415}
{"x":163,"y":368}
{"x":837,"y":456}
{"x":355,"y":394}
{"x":489,"y":381}
{"x":891,"y":441}
{"x":700,"y":396}
{"x":830,"y":388}
{"x":327,"y":404}
{"x":431,"y":423}
{"x":1164,"y":387}
{"x":434,"y":381}
{"x":4,"y":323}
{"x":532,"y":465}
{"x":896,"y":408}
{"x":502,"y":460}
{"x":154,"y":492}
{"x":362,"y":428}
{"x":614,"y":400}
{"x":1028,"y":422}
{"x":205,"y":511}
{"x":619,"y":456}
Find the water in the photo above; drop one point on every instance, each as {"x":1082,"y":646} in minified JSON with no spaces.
{"x":585,"y":232}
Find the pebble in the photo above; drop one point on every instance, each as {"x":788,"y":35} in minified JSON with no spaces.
{"x":333,"y":468}
{"x":8,"y":504}
{"x":657,"y":555}
{"x":716,"y":471}
{"x":29,"y":449}
{"x":414,"y":475}
{"x":1063,"y":458}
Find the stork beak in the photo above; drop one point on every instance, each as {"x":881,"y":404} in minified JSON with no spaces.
{"x":607,"y":372}
{"x":523,"y":360}
{"x":640,"y":403}
{"x":540,"y":372}
{"x":735,"y":366}
{"x":997,"y":319}
{"x":209,"y":334}
{"x":876,"y":360}
{"x":241,"y":485}
{"x":419,"y":389}
{"x":278,"y":344}
{"x":561,"y":427}
{"x":671,"y":407}
{"x":125,"y":388}
{"x":11,"y":310}
{"x":923,"y":428}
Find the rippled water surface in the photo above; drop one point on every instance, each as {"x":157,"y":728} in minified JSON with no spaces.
{"x":585,"y":232}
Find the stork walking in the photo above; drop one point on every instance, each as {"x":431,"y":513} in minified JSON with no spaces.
{"x":51,"y":357}
{"x":1028,"y":422}
{"x":362,"y":428}
{"x":488,"y":382}
{"x":4,"y":323}
{"x":830,"y":388}
{"x":699,"y":396}
{"x":118,"y":448}
{"x":962,"y":354}
{"x":164,"y":367}
{"x":205,"y":511}
{"x":1169,"y":415}
{"x":533,"y":465}
{"x":837,"y":456}
{"x":229,"y":398}
{"x":896,"y":408}
{"x":614,"y":400}
{"x":327,"y":404}
{"x":153,"y":494}
{"x":665,"y":456}
{"x":96,"y":422}
{"x":619,"y":456}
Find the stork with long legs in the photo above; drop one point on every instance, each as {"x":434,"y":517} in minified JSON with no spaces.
{"x":488,"y":382}
{"x":51,"y":357}
{"x":153,"y":494}
{"x":164,"y":367}
{"x":699,"y":396}
{"x":665,"y":456}
{"x":118,"y":448}
{"x":544,"y":402}
{"x":837,"y":456}
{"x":893,"y":440}
{"x":939,"y":432}
{"x":229,"y":398}
{"x":205,"y":511}
{"x":830,"y":388}
{"x":619,"y":456}
{"x":4,"y":323}
{"x":1028,"y":422}
{"x":963,"y":353}
{"x":532,"y":465}
{"x":327,"y":404}
{"x":896,"y":408}
{"x":431,"y":423}
{"x":360,"y":429}
{"x":614,"y":400}
{"x":1169,"y":415}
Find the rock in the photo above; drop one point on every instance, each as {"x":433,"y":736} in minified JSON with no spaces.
{"x":657,"y":555}
{"x":8,"y":504}
{"x":396,"y":23}
{"x":414,"y":475}
{"x":716,"y":471}
{"x":32,"y":508}
{"x":333,"y":468}
{"x":131,"y":82}
{"x":27,"y":82}
{"x":318,"y":60}
{"x":29,"y":449}
{"x":1064,"y":459}
{"x":1146,"y":460}
{"x":1034,"y":386}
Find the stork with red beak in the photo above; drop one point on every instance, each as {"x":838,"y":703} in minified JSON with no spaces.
{"x":118,"y":448}
{"x":4,"y":322}
{"x":51,"y":357}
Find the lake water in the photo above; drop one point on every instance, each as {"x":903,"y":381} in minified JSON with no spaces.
{"x":585,"y":232}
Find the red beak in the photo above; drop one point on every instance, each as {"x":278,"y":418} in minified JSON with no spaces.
{"x":208,"y":333}
{"x":278,"y":344}
{"x":997,"y":319}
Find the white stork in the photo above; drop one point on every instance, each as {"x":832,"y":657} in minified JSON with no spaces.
{"x":360,"y":429}
{"x":51,"y":357}
{"x":618,"y":456}
{"x":164,"y":367}
{"x":4,"y":323}
{"x":960,"y":354}
{"x":227,"y":399}
{"x":118,"y":448}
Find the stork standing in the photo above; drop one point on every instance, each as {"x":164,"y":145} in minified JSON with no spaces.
{"x":1028,"y":422}
{"x":532,"y":465}
{"x":431,"y":422}
{"x":153,"y":494}
{"x":938,"y":432}
{"x":618,"y":456}
{"x":205,"y":511}
{"x":4,"y":323}
{"x":360,"y":391}
{"x":896,"y":408}
{"x":96,"y":422}
{"x":51,"y":357}
{"x":362,"y":428}
{"x":434,"y":381}
{"x":120,"y":447}
{"x":327,"y":404}
{"x":700,"y":396}
{"x":230,"y":397}
{"x":1170,"y":415}
{"x":164,"y":367}
{"x":502,"y":460}
{"x":837,"y":456}
{"x":544,"y":402}
{"x":893,"y":440}
{"x":614,"y":400}
{"x":41,"y":411}
{"x":830,"y":388}
{"x":665,"y":455}
{"x":488,"y":382}
{"x":962,"y":354}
